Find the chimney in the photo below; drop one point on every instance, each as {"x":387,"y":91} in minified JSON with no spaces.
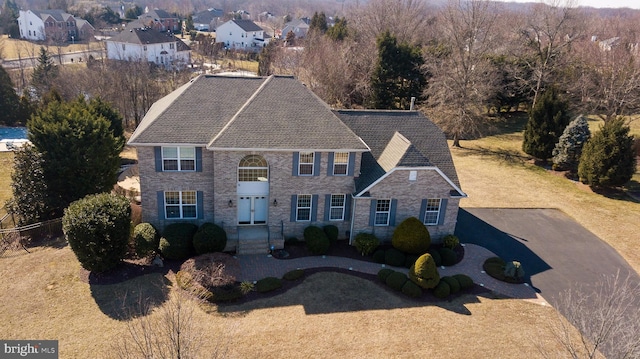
{"x":413,"y":102}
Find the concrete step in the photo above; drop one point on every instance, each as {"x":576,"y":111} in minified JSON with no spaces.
{"x":253,"y":246}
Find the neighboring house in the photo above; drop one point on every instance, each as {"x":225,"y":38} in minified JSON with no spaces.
{"x":55,"y":25}
{"x":299,"y":28}
{"x":160,"y":20}
{"x":161,"y":48}
{"x":264,"y":158}
{"x":207,"y":20}
{"x":241,"y":35}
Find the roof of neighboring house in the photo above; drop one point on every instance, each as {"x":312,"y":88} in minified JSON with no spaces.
{"x":158,"y":14}
{"x":267,"y":113}
{"x":398,"y":139}
{"x":57,"y":15}
{"x":146,"y":36}
{"x":82,"y":22}
{"x":246,"y":25}
{"x":205,"y":17}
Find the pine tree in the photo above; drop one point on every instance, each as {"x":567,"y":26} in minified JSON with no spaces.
{"x":44,"y":73}
{"x":547,"y":120}
{"x":338,"y":31}
{"x":30,"y":201}
{"x":608,"y":158}
{"x":318,"y":23}
{"x":9,"y":100}
{"x":566,"y":154}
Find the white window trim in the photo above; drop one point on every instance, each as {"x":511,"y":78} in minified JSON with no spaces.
{"x":300,"y":163}
{"x":346,"y":172}
{"x":181,"y":205}
{"x":179,"y":159}
{"x":437,"y":212}
{"x":298,"y":208}
{"x":331,"y":207}
{"x":388,"y":212}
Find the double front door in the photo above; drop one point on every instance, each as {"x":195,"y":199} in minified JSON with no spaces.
{"x":252,"y":209}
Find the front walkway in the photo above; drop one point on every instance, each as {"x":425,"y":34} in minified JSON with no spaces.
{"x":258,"y":266}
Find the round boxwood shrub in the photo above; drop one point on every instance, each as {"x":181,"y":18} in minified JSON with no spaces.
{"x":366,"y":243}
{"x":396,"y":280}
{"x":424,"y":272}
{"x":410,"y":260}
{"x":442,"y":290}
{"x":145,"y":239}
{"x":449,"y":257}
{"x":411,"y":289}
{"x":226,"y":293}
{"x":379,"y":256}
{"x":411,"y":236}
{"x":293,"y":275}
{"x":97,"y":228}
{"x":514,"y":271}
{"x":316,"y":240}
{"x":454,"y":286}
{"x":394,"y":257}
{"x":436,"y":257}
{"x":450,"y":241}
{"x":177,"y":240}
{"x":268,"y":284}
{"x":384,"y":273}
{"x":332,"y":233}
{"x":494,"y":267}
{"x":209,"y":238}
{"x":464,"y":280}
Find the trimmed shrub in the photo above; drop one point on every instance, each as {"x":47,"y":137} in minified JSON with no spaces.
{"x":226,"y":294}
{"x":436,"y":257}
{"x":464,"y":280}
{"x":291,"y":240}
{"x":366,"y":243}
{"x":268,"y":284}
{"x":494,"y":267}
{"x":145,"y":239}
{"x":449,"y":257}
{"x":410,"y":260}
{"x":332,"y":233}
{"x":424,"y":272}
{"x":247,"y":287}
{"x":379,"y":256}
{"x":411,"y":236}
{"x":316,"y":240}
{"x":293,"y":275}
{"x":514,"y":271}
{"x":394,"y":257}
{"x":442,"y":290}
{"x":97,"y":228}
{"x":454,"y":286}
{"x":396,"y":281}
{"x":412,"y":290}
{"x":450,"y":241}
{"x":209,"y":238}
{"x":384,"y":273}
{"x":177,"y":241}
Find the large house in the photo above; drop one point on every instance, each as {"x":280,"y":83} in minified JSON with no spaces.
{"x":207,"y":20}
{"x":144,"y":44}
{"x":160,"y":20}
{"x":241,"y":35}
{"x":298,"y":27}
{"x":54,"y":25}
{"x":264,"y":158}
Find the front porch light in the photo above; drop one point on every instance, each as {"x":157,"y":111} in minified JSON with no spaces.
{"x":230,"y":203}
{"x":275,"y":203}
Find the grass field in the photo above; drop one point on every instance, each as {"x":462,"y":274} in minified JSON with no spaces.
{"x":12,"y":48}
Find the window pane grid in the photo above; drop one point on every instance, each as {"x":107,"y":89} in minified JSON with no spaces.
{"x":303,"y":211}
{"x":340,"y":163}
{"x":432,"y":212}
{"x":179,"y":158}
{"x":305,"y":166}
{"x":336,"y":210}
{"x":180,"y":204}
{"x":383,"y":207}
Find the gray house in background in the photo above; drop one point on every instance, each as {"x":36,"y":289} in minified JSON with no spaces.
{"x":207,"y":20}
{"x":264,"y":158}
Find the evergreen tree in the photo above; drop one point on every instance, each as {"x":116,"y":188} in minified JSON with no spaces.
{"x":9,"y":100}
{"x":318,"y":23}
{"x":9,"y":19}
{"x":44,"y":73}
{"x":397,"y":75}
{"x":566,"y":154}
{"x":30,"y":198}
{"x":80,"y":143}
{"x":338,"y":31}
{"x":547,"y":120}
{"x":265,"y":59}
{"x":608,"y":158}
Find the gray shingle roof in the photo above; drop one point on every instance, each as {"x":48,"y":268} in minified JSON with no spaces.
{"x":277,"y":113}
{"x":147,"y":36}
{"x":247,"y":25}
{"x":57,"y":15}
{"x":428,"y":145}
{"x":207,"y":16}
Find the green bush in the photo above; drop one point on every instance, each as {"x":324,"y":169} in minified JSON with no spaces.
{"x":268,"y":284}
{"x":495,"y":267}
{"x":247,"y":287}
{"x":450,"y":241}
{"x":424,"y":272}
{"x":394,"y":257}
{"x":332,"y":233}
{"x":411,"y":236}
{"x":146,"y":239}
{"x":410,"y":260}
{"x":454,"y":286}
{"x":442,"y":290}
{"x":436,"y":257}
{"x":514,"y":271}
{"x":177,"y":241}
{"x":366,"y":243}
{"x":316,"y":240}
{"x":226,"y":294}
{"x":97,"y":228}
{"x":379,"y":256}
{"x":412,"y":290}
{"x":396,"y":281}
{"x":464,"y":280}
{"x":209,"y":238}
{"x":384,"y":273}
{"x":449,"y":257}
{"x":293,"y":275}
{"x":291,"y":240}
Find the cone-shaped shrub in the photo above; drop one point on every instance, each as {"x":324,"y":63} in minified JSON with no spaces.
{"x":424,"y":272}
{"x":411,"y":236}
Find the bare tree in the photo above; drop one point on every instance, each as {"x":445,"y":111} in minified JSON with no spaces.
{"x":607,"y":317}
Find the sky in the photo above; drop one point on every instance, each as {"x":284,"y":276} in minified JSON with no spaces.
{"x":633,"y":4}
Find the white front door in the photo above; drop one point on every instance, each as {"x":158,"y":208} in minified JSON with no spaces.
{"x":252,"y":209}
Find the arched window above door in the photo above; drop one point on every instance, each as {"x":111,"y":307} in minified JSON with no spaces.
{"x":253,"y":168}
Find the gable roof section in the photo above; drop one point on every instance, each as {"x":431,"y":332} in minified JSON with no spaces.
{"x":398,"y":139}
{"x":144,"y":36}
{"x":247,"y":25}
{"x":57,"y":15}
